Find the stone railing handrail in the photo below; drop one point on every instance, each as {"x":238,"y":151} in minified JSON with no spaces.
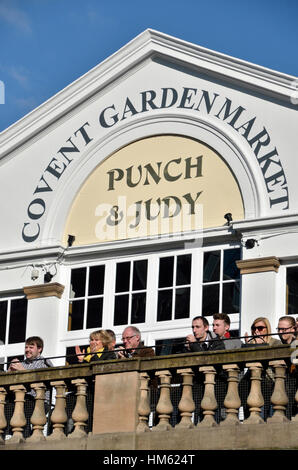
{"x":122,"y":391}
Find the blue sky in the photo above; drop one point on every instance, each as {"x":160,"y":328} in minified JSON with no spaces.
{"x":47,"y":44}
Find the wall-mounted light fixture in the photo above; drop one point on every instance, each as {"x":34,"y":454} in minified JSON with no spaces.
{"x":70,"y":240}
{"x":228,"y":217}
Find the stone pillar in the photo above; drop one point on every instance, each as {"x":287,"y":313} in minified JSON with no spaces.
{"x":80,"y":413}
{"x":44,"y":303}
{"x":144,"y":404}
{"x":279,"y":397}
{"x":208,"y":403}
{"x":115,"y":402}
{"x":186,"y":405}
{"x":258,"y":290}
{"x":59,"y":416}
{"x":255,"y":398}
{"x":3,"y":421}
{"x":38,"y":418}
{"x":164,"y":406}
{"x":232,"y":400}
{"x":18,"y":420}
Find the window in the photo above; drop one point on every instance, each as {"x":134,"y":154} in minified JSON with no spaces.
{"x":13,"y":316}
{"x":292,"y":291}
{"x":174,"y":287}
{"x":86,"y":298}
{"x":130,"y":292}
{"x":221,"y":282}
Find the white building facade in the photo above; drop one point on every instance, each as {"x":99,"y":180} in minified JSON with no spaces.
{"x":159,"y":186}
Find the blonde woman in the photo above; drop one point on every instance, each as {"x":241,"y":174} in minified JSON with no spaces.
{"x":99,"y":349}
{"x":260,"y":332}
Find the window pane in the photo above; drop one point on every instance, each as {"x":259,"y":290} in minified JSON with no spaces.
{"x":140,"y":275}
{"x":183,"y":270}
{"x":94,"y":313}
{"x":169,"y":346}
{"x":164,"y":308}
{"x":210,"y":299}
{"x":121,"y":310}
{"x":76,"y":315}
{"x":231,"y":297}
{"x":230,"y":270}
{"x":3,"y":318}
{"x":96,"y":280}
{"x":122,"y":277}
{"x":166,"y":269}
{"x":292,"y":290}
{"x":211,"y":266}
{"x":138,"y":308}
{"x":182,"y":303}
{"x":17,"y":323}
{"x":78,"y":283}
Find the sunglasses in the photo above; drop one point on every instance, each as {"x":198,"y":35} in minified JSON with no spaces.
{"x":259,"y":328}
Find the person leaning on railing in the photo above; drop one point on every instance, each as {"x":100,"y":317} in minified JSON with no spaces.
{"x":261,"y":333}
{"x":100,"y":348}
{"x":133,"y":346}
{"x":287,"y":329}
{"x":201,"y":338}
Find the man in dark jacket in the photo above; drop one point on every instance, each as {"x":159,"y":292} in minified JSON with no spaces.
{"x":202,"y":339}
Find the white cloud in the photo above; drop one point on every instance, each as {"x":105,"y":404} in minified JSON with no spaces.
{"x":15,"y":17}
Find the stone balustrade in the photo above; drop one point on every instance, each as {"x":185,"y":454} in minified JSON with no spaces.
{"x":193,"y":392}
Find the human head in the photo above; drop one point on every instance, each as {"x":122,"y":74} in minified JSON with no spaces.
{"x":131,"y":337}
{"x":113,"y":339}
{"x":200,"y":326}
{"x":221,"y":324}
{"x":33,"y":347}
{"x":99,"y":339}
{"x":261,"y":325}
{"x":287,"y":329}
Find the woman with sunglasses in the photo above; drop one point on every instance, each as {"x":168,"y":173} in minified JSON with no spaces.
{"x":261,"y":333}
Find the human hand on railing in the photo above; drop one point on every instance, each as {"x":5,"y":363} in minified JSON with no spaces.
{"x":246,"y":338}
{"x":15,"y":365}
{"x":80,"y":354}
{"x":121,"y":352}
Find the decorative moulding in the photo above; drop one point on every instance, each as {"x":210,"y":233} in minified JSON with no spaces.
{"x":258,"y":265}
{"x":53,"y":289}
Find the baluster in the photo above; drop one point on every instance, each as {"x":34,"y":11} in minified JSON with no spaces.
{"x":164,"y":406}
{"x":80,"y":413}
{"x":186,"y":405}
{"x":18,"y":420}
{"x":144,"y":404}
{"x":279,"y":397}
{"x":232,"y":400}
{"x":208,"y":403}
{"x":59,"y":416}
{"x":255,"y":398}
{"x":38,"y":418}
{"x":3,"y":421}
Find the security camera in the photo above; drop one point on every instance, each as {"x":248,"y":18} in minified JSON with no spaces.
{"x":34,"y":274}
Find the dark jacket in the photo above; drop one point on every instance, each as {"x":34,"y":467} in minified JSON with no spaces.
{"x":142,"y":351}
{"x":214,"y":343}
{"x":105,"y":356}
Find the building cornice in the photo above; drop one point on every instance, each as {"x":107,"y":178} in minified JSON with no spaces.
{"x":53,"y":289}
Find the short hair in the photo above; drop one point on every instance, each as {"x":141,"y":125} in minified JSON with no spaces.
{"x":291,"y":320}
{"x":102,"y":335}
{"x":35,"y":340}
{"x":222,"y":316}
{"x":204,"y":320}
{"x":134,"y":329}
{"x":112,"y":334}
